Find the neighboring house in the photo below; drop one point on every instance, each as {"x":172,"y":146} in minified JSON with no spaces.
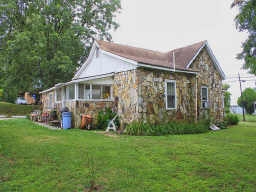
{"x":28,"y":97}
{"x":236,"y":109}
{"x":182,"y":84}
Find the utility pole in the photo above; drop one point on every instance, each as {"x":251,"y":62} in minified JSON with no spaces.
{"x":241,"y":95}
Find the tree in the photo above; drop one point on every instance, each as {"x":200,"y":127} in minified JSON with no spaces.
{"x":44,"y":42}
{"x":227,"y":98}
{"x":247,"y":100}
{"x":246,"y":21}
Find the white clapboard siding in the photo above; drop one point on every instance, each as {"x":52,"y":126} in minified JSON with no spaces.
{"x":104,"y":63}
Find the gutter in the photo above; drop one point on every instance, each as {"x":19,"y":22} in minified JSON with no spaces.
{"x":166,"y":69}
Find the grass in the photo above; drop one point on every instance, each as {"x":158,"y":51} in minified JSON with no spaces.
{"x":10,"y":109}
{"x":249,"y":118}
{"x":33,"y":158}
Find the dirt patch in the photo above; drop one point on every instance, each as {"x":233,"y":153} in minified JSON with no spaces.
{"x":109,"y":134}
{"x":43,"y":139}
{"x":93,"y":187}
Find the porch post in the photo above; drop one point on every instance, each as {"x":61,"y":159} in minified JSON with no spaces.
{"x":76,"y":91}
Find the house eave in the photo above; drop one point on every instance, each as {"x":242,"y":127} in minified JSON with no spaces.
{"x":59,"y":85}
{"x":47,"y":90}
{"x":215,"y":61}
{"x":166,"y":68}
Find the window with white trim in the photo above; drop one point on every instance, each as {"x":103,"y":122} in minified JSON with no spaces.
{"x":50,"y":103}
{"x":94,"y":91}
{"x":204,"y":97}
{"x":84,"y":91}
{"x":58,"y":94}
{"x":71,"y":92}
{"x":170,"y":94}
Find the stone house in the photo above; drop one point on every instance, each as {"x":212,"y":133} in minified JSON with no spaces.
{"x":183,"y":84}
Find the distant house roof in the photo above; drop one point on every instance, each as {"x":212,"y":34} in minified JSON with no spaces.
{"x":183,"y":55}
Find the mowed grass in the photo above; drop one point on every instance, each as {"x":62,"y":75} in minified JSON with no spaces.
{"x":249,"y":118}
{"x":33,"y":158}
{"x":10,"y":109}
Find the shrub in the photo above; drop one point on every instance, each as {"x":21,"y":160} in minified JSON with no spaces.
{"x":221,"y":124}
{"x":103,"y":118}
{"x":231,"y":119}
{"x":171,"y":128}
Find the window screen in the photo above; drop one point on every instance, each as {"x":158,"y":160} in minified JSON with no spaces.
{"x":170,"y":95}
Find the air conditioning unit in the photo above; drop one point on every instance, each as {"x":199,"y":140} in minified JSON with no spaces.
{"x":205,"y":104}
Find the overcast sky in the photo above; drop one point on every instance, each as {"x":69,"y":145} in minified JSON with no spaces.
{"x":167,"y":24}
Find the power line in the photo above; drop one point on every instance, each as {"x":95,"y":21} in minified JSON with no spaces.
{"x":248,"y":77}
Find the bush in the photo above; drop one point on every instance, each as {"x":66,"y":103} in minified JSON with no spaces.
{"x":231,"y":119}
{"x":141,"y":128}
{"x":221,"y":124}
{"x":103,"y":118}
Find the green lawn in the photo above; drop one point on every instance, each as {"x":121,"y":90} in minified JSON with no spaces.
{"x":10,"y":109}
{"x":249,"y":118}
{"x":33,"y":158}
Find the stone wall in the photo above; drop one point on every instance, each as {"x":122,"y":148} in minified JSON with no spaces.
{"x":76,"y":107}
{"x":125,"y":88}
{"x":152,"y":101}
{"x":84,"y":107}
{"x":210,"y":77}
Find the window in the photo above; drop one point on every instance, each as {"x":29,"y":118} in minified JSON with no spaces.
{"x":71,"y":92}
{"x":58,"y":94}
{"x":87,"y":91}
{"x":204,"y":97}
{"x":106,"y":90}
{"x":90,"y":91}
{"x":64,"y":93}
{"x":96,"y":92}
{"x":101,"y":91}
{"x":83,"y":91}
{"x":50,"y":103}
{"x":170,"y":94}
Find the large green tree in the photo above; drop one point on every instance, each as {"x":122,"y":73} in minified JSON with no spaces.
{"x":227,"y":98}
{"x":247,"y":100}
{"x":43,"y":42}
{"x":246,"y":21}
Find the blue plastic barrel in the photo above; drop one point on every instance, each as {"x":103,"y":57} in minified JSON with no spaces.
{"x":66,"y":120}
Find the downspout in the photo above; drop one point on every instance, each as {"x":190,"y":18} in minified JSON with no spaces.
{"x":173,"y":60}
{"x":76,"y":103}
{"x":196,"y":100}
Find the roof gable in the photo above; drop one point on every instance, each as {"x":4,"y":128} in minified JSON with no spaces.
{"x":101,"y":62}
{"x":183,"y":57}
{"x":212,"y":56}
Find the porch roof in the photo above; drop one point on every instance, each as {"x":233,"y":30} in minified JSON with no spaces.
{"x":59,"y":85}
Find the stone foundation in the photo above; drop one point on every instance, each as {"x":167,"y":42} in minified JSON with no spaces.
{"x":84,"y":107}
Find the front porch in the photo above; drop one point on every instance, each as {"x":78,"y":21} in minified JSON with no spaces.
{"x":85,"y":96}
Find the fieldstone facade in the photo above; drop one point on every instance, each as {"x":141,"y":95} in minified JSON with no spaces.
{"x":139,"y":95}
{"x":209,"y":76}
{"x":125,"y":90}
{"x":84,"y":107}
{"x":152,"y":99}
